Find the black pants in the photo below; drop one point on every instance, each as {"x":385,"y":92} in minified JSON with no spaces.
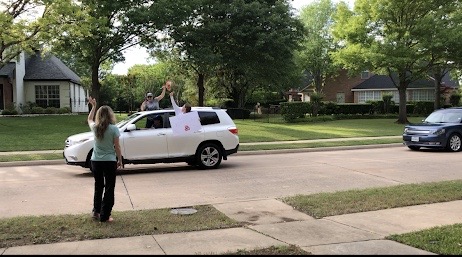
{"x":104,"y":173}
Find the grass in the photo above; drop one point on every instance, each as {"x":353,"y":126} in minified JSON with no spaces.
{"x":48,"y":229}
{"x":49,"y":133}
{"x":319,"y":144}
{"x":373,"y":199}
{"x":272,"y":250}
{"x":443,"y":240}
{"x":263,"y":132}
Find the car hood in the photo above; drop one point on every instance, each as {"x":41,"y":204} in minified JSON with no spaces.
{"x":430,"y":126}
{"x":81,"y":136}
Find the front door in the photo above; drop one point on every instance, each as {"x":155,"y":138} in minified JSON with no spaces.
{"x":2,"y":104}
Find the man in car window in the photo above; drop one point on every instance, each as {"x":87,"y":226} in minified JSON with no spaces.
{"x":157,"y":122}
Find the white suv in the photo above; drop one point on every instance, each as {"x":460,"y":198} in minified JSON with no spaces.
{"x":216,"y":138}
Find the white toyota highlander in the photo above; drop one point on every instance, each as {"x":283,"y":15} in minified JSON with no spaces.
{"x":214,"y":139}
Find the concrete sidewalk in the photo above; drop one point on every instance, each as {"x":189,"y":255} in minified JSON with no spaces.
{"x":273,"y":223}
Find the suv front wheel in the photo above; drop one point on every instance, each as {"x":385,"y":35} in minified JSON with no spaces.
{"x":209,"y":156}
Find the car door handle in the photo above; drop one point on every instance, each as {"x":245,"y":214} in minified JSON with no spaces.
{"x":161,"y":134}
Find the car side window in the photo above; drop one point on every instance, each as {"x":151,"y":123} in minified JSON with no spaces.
{"x":208,"y":118}
{"x":141,"y":123}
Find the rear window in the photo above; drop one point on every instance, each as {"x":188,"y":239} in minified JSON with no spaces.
{"x":208,"y":118}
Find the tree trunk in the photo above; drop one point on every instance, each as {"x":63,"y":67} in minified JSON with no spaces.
{"x":437,"y":80}
{"x":201,"y":88}
{"x":318,"y":82}
{"x":402,"y":118}
{"x":95,"y":85}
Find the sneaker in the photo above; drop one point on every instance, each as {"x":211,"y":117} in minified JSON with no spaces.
{"x":95,"y":216}
{"x":108,"y":220}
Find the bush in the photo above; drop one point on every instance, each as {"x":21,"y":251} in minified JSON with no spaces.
{"x":10,"y":109}
{"x":238,"y":113}
{"x":37,"y":110}
{"x":64,"y":110}
{"x":454,"y":99}
{"x":51,"y":110}
{"x":9,"y":112}
{"x":291,"y":111}
{"x":423,"y":108}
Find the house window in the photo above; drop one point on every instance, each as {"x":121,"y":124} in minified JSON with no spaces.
{"x":366,"y":96}
{"x":341,"y":98}
{"x":424,"y":95}
{"x":365,"y":74}
{"x":47,"y":96}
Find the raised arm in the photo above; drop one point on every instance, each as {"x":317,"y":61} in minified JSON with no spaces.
{"x":91,"y":115}
{"x":177,"y":108}
{"x":158,"y":98}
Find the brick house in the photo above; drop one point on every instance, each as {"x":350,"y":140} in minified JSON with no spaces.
{"x":370,"y":87}
{"x":43,"y":80}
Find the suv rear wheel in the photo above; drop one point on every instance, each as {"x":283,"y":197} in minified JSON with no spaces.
{"x":208,"y":156}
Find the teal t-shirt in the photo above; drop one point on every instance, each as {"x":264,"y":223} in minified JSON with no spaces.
{"x":103,"y":149}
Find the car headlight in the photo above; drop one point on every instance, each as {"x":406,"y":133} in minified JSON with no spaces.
{"x":405,"y":130}
{"x":76,"y":142}
{"x":438,"y":131}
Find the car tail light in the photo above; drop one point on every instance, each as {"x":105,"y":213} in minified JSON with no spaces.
{"x":233,"y":130}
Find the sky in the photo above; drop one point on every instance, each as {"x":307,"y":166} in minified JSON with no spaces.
{"x":138,"y":55}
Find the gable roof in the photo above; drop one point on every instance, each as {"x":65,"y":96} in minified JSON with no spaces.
{"x":384,"y":81}
{"x":7,"y":70}
{"x":48,"y":68}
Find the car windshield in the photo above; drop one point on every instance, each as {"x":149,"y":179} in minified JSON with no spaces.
{"x":444,"y":117}
{"x":124,"y":121}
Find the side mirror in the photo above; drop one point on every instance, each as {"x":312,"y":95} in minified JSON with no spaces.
{"x":131,"y":127}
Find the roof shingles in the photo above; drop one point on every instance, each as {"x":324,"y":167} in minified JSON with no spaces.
{"x":384,"y":82}
{"x":48,"y":68}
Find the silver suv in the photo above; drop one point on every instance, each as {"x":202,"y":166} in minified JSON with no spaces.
{"x":215,"y":139}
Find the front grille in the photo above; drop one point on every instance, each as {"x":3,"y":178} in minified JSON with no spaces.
{"x":417,"y":132}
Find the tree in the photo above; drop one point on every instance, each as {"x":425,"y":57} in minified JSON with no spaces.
{"x":106,"y":29}
{"x":246,"y":44}
{"x":318,"y":43}
{"x":24,"y":24}
{"x":443,"y":44}
{"x":386,"y":35}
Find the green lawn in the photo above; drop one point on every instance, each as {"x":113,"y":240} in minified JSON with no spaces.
{"x":50,"y":132}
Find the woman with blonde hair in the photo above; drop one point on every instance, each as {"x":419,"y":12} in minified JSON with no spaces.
{"x":105,"y":159}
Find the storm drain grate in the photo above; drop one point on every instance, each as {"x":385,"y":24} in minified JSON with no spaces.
{"x":183,"y":211}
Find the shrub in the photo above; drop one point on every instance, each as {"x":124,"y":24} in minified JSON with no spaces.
{"x":238,"y":113}
{"x":10,"y":109}
{"x":37,"y":110}
{"x":64,"y":110}
{"x":51,"y":110}
{"x":454,"y":99}
{"x":9,"y":112}
{"x":291,"y":111}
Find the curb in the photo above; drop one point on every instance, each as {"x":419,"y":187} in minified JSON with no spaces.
{"x":260,"y":152}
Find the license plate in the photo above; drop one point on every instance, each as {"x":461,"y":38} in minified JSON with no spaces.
{"x":415,"y":139}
